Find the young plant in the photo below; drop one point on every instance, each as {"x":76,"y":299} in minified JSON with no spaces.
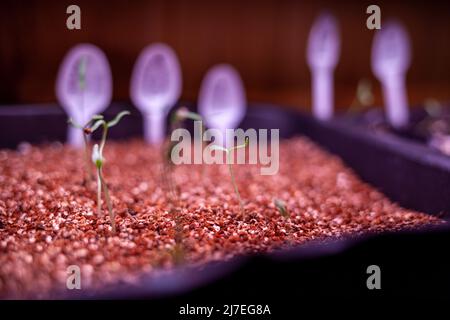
{"x":98,"y":160}
{"x":177,"y":118}
{"x":281,"y":207}
{"x":229,"y":153}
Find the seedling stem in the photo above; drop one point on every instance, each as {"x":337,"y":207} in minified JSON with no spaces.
{"x":98,"y":159}
{"x":228,"y":152}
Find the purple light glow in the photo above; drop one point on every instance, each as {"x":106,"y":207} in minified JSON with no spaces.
{"x":391,"y":58}
{"x":222,"y":101}
{"x":322,"y":56}
{"x":155,"y":88}
{"x":82,"y":102}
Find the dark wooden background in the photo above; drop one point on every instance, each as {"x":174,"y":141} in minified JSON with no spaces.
{"x":264,"y":39}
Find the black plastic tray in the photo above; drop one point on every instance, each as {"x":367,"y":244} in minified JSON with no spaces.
{"x":407,"y":172}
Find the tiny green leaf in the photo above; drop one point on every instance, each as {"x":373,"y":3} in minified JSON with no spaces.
{"x":281,"y":207}
{"x":116,"y":120}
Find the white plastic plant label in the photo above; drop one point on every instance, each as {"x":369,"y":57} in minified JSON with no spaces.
{"x":391,"y":57}
{"x":222,"y":101}
{"x":83,"y":87}
{"x":323,"y":55}
{"x":155,"y":88}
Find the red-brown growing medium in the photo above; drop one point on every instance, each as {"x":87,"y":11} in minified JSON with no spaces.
{"x":48,"y":215}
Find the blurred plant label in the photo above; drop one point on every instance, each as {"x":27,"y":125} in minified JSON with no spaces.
{"x":222,"y":101}
{"x":322,"y":55}
{"x":391,"y":58}
{"x":74,"y":19}
{"x":374,"y":280}
{"x":374,"y":20}
{"x":73,"y":277}
{"x":84,"y":86}
{"x":155,"y":88}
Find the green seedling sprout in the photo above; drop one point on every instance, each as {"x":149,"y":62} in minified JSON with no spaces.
{"x":282,"y":209}
{"x":99,"y":160}
{"x":177,"y":118}
{"x":229,"y":152}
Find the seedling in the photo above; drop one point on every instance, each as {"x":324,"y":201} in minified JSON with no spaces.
{"x":281,"y":207}
{"x":229,"y":152}
{"x":180,"y":115}
{"x":99,"y":160}
{"x":177,"y":118}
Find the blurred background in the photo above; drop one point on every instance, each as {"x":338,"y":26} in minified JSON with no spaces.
{"x":265,"y":40}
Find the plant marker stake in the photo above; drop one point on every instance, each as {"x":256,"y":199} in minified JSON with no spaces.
{"x":155,"y":88}
{"x":322,"y":56}
{"x":222,"y":103}
{"x":83,"y":87}
{"x":391,"y":57}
